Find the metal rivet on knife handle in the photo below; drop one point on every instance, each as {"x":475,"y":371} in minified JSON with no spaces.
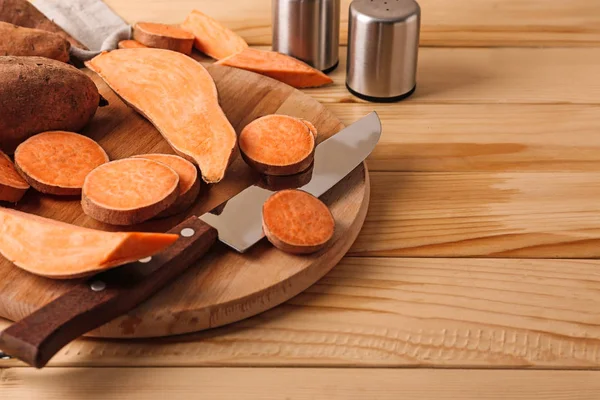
{"x":187,"y":232}
{"x":98,"y":286}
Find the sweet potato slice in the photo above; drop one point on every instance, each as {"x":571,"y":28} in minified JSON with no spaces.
{"x":131,"y":44}
{"x":312,"y":128}
{"x":277,"y":66}
{"x":277,"y":145}
{"x":163,"y":36}
{"x":276,"y":183}
{"x":58,"y":250}
{"x":179,"y":97}
{"x":57,"y":162}
{"x":189,"y":183}
{"x":212,"y":38}
{"x":12,"y":185}
{"x":297,"y":222}
{"x":129,"y":191}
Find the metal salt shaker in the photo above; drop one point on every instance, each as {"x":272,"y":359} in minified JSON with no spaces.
{"x":383,"y":43}
{"x":308,"y":30}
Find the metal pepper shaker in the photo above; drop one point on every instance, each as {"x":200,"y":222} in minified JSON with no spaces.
{"x":383,"y":44}
{"x":308,"y":30}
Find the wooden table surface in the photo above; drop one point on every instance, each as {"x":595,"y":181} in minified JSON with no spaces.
{"x":475,"y":274}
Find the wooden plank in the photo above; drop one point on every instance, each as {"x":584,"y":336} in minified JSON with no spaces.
{"x":545,"y":215}
{"x":297,"y":384}
{"x":492,"y":75}
{"x":398,"y":312}
{"x":444,"y":22}
{"x":482,"y":137}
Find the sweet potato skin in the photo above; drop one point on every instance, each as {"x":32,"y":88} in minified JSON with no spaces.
{"x":163,"y":36}
{"x":38,"y":94}
{"x":19,"y":41}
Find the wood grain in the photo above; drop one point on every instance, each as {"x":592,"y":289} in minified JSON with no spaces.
{"x":224,"y":286}
{"x":444,"y":22}
{"x":398,"y":312}
{"x":296,"y":384}
{"x":454,"y":214}
{"x":482,"y":137}
{"x":491,"y":76}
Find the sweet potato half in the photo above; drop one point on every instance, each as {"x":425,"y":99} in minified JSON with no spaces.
{"x":277,"y":66}
{"x":164,"y":36}
{"x":57,"y":162}
{"x":297,"y":222}
{"x":129,"y":191}
{"x":19,"y":41}
{"x":12,"y":185}
{"x":212,"y":38}
{"x":39,"y":94}
{"x":179,"y":97}
{"x":277,"y":145}
{"x":58,"y":250}
{"x":189,"y":182}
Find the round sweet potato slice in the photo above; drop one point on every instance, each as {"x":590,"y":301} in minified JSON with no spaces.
{"x":57,"y":162}
{"x":277,"y":145}
{"x":276,"y":183}
{"x":164,"y":36}
{"x":297,"y":222}
{"x":189,"y":182}
{"x":12,"y":185}
{"x":129,"y":191}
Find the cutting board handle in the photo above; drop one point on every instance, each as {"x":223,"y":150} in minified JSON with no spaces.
{"x":89,"y":305}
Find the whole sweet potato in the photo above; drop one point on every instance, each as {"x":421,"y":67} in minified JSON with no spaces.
{"x":23,"y":13}
{"x":39,"y":94}
{"x":19,"y":41}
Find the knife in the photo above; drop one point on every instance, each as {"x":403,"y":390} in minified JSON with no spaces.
{"x":90,"y":304}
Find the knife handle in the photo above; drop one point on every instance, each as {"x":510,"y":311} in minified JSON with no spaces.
{"x":89,"y":305}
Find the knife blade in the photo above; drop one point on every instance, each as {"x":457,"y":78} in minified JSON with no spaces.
{"x":90,"y":304}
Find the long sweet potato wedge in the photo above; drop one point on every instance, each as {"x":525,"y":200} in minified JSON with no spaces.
{"x":57,"y":162}
{"x":131,"y":44}
{"x":12,"y":185}
{"x":20,"y":41}
{"x":164,"y":36}
{"x":179,"y":97}
{"x":129,"y":191}
{"x":212,"y":38}
{"x":277,"y":145}
{"x":189,"y":182}
{"x":62,"y":251}
{"x":277,"y":66}
{"x":297,"y":222}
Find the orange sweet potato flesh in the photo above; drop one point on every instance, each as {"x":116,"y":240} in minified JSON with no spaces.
{"x":164,"y":36}
{"x":312,"y":128}
{"x":179,"y":97}
{"x":129,"y":191}
{"x":212,"y":38}
{"x":131,"y":44}
{"x":277,"y":145}
{"x":57,"y":162}
{"x":277,"y":66}
{"x":58,"y":250}
{"x":12,"y":185}
{"x":297,"y":222}
{"x":189,"y":183}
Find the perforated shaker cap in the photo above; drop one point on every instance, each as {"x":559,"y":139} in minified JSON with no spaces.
{"x":383,"y":44}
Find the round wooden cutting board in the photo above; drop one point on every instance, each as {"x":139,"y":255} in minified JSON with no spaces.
{"x":224,"y":286}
